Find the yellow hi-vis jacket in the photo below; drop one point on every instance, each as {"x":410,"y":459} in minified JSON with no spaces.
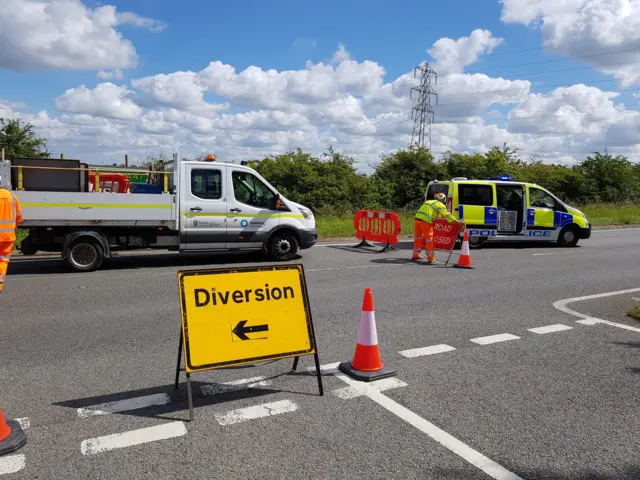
{"x":432,"y":209}
{"x":10,"y":215}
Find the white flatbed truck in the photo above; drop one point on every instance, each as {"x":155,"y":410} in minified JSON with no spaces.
{"x":205,"y":207}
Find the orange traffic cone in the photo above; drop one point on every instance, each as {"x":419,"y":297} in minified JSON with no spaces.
{"x":465,"y":259}
{"x":11,"y":436}
{"x":367,"y":364}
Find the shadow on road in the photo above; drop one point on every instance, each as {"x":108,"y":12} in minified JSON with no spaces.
{"x":41,"y":266}
{"x":175,"y":404}
{"x":408,"y":261}
{"x":375,"y":250}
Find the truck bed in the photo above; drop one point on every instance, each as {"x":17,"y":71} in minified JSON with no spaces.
{"x":91,"y":208}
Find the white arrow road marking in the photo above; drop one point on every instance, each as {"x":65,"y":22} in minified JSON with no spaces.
{"x":133,"y":437}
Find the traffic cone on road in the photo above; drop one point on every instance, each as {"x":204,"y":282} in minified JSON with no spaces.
{"x":367,"y":364}
{"x":12,"y":437}
{"x":465,"y":258}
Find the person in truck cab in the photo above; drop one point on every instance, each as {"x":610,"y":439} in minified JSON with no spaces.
{"x":423,"y":226}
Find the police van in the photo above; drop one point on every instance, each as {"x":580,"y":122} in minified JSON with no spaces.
{"x":502,"y":209}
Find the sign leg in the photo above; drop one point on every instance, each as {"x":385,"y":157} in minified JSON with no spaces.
{"x":295,"y":364}
{"x":179,"y":359}
{"x":318,"y":373}
{"x":190,"y":397}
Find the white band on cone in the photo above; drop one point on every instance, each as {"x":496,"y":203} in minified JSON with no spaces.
{"x":465,"y":248}
{"x":367,"y":334}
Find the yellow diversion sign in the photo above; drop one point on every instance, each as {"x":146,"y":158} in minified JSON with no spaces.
{"x":240,"y":315}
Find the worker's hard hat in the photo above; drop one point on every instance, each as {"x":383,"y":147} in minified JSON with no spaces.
{"x":441,"y":197}
{"x":210,"y":158}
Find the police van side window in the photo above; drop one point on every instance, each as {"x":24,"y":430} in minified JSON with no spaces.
{"x":437,"y":188}
{"x":206,"y":184}
{"x":479,"y":195}
{"x":541,"y":199}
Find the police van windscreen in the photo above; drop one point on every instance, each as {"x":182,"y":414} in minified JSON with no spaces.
{"x":437,"y":188}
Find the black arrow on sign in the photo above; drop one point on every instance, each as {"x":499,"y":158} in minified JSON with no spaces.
{"x":241,"y":331}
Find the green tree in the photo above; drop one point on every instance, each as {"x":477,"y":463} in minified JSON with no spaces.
{"x":19,"y":140}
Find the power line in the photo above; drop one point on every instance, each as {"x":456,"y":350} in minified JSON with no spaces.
{"x":568,"y":57}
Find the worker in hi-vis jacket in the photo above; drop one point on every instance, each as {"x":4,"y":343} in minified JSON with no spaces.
{"x":423,"y":226}
{"x":10,"y":218}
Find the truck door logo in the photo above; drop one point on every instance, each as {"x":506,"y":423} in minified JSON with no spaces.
{"x":244,"y":223}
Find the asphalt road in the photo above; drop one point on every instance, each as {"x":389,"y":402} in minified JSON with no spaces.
{"x":557,"y":403}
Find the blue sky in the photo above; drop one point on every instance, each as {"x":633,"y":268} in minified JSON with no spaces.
{"x":284,"y":35}
{"x":264,"y":34}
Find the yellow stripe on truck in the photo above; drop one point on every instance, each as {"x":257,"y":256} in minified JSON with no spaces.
{"x":94,"y":205}
{"x":244,"y":215}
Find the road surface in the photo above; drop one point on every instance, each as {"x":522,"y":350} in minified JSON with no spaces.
{"x":493,"y":380}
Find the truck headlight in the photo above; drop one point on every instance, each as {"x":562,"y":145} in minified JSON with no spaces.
{"x":306,"y":213}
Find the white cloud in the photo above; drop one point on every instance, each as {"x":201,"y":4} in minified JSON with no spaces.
{"x":304,"y":43}
{"x":606,"y":33}
{"x":106,"y":100}
{"x":347,"y":104}
{"x":108,"y":75}
{"x":341,"y":55}
{"x":65,"y":34}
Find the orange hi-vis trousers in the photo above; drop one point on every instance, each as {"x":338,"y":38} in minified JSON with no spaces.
{"x":423,"y":239}
{"x":5,"y":253}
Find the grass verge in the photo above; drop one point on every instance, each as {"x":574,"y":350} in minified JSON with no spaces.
{"x":598,"y":215}
{"x":336,"y":226}
{"x":634,"y":311}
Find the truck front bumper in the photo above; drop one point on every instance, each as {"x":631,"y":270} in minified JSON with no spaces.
{"x":585,"y":232}
{"x":308,"y":238}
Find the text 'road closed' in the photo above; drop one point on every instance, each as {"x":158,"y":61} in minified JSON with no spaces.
{"x":232,"y":316}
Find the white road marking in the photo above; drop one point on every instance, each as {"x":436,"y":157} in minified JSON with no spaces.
{"x":234,"y":386}
{"x":354,"y":267}
{"x":472,"y":456}
{"x":550,"y":329}
{"x":328,"y":368}
{"x":257,"y":411}
{"x":540,"y":254}
{"x":432,"y":350}
{"x":635,"y":299}
{"x":502,"y":337}
{"x":361,"y":389}
{"x":24,"y":422}
{"x":12,"y":464}
{"x":133,"y":437}
{"x":614,"y":230}
{"x":588,"y":319}
{"x":124,"y":405}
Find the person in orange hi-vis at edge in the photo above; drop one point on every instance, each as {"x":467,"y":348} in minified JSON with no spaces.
{"x":10,"y":218}
{"x":423,"y":226}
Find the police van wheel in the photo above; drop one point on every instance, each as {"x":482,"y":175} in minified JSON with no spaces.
{"x":476,"y":242}
{"x":85,"y":255}
{"x":282,"y":247}
{"x":568,"y":236}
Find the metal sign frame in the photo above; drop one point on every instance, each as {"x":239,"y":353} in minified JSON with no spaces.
{"x":183,"y":344}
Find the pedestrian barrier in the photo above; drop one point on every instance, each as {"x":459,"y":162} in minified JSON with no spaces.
{"x":367,"y":364}
{"x":464,"y":261}
{"x":375,"y":226}
{"x":12,"y":437}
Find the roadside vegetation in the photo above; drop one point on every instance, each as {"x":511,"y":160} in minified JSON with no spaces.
{"x":634,"y":311}
{"x":605,"y":187}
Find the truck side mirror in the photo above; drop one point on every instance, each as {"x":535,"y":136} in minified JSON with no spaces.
{"x":276,"y":202}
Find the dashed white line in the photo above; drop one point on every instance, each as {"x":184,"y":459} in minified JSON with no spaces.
{"x":472,"y":456}
{"x":432,"y":350}
{"x":124,"y":405}
{"x":588,"y":319}
{"x":541,"y":254}
{"x":327,"y":368}
{"x":550,"y":329}
{"x":502,"y":337}
{"x":257,"y":411}
{"x":12,"y":464}
{"x":24,"y":422}
{"x":361,"y":389}
{"x":234,"y":386}
{"x":133,"y":437}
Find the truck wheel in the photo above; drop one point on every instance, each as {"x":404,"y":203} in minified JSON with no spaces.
{"x":282,"y":247}
{"x":476,"y":242}
{"x":568,"y":236}
{"x":85,"y":255}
